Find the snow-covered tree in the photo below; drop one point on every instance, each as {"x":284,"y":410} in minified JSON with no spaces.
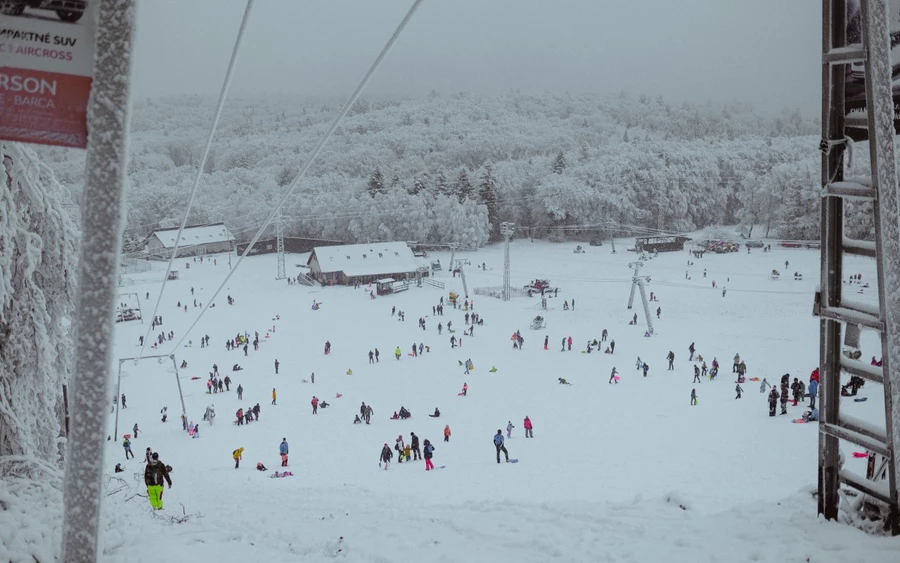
{"x":376,"y":183}
{"x":463,"y":185}
{"x":38,"y":253}
{"x":559,"y":163}
{"x":487,"y":194}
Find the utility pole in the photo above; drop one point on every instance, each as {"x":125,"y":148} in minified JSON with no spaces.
{"x":106,"y":162}
{"x":279,"y":243}
{"x":507,"y":229}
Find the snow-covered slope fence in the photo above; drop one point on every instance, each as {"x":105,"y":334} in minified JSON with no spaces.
{"x":497,"y":291}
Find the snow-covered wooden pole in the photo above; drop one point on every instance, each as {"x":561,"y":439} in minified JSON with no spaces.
{"x":105,"y":168}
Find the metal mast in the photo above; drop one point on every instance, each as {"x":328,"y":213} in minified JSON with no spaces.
{"x":835,"y":311}
{"x":506,"y":229}
{"x":279,"y":246}
{"x":638,"y":282}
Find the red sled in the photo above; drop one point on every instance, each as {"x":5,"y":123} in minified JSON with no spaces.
{"x":860,"y":454}
{"x":460,"y":394}
{"x":799,"y":421}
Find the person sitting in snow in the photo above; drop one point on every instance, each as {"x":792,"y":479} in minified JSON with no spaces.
{"x":119,"y":468}
{"x":236,"y":367}
{"x":260,"y":466}
{"x":357,"y":420}
{"x":404,"y":414}
{"x":437,"y":413}
{"x":562,"y":381}
{"x":396,"y":416}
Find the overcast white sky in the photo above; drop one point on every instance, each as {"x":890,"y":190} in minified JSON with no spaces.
{"x":766,"y":52}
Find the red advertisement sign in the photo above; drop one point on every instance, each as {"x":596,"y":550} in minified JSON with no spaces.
{"x":46,"y":60}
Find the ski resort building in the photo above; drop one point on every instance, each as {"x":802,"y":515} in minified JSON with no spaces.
{"x":196,"y":240}
{"x":364,"y":263}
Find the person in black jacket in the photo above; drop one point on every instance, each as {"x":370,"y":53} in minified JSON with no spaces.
{"x":414,"y":445}
{"x":154,"y":475}
{"x":773,"y":400}
{"x":385,"y":456}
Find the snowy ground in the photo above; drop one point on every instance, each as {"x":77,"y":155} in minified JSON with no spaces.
{"x":622,"y":472}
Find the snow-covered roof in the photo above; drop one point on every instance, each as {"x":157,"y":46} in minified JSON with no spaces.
{"x":191,"y":236}
{"x":366,"y":259}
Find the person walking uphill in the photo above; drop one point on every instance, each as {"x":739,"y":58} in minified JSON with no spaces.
{"x":429,"y":453}
{"x":315,"y":404}
{"x":447,"y":433}
{"x":154,"y":474}
{"x":127,"y":445}
{"x":284,"y":451}
{"x":276,"y":366}
{"x":498,"y":443}
{"x":274,"y":395}
{"x":528,"y":428}
{"x":240,"y":392}
{"x":237,"y":455}
{"x":385,"y":456}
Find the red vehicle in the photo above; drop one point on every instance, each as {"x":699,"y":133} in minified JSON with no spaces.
{"x":539,"y":285}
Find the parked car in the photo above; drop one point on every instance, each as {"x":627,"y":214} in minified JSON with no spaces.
{"x":754,"y":244}
{"x":596,"y":242}
{"x":67,"y":10}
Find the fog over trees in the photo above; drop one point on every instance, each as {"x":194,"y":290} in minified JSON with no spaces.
{"x":451,"y":167}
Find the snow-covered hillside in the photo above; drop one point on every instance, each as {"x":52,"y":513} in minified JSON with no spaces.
{"x":617,"y":472}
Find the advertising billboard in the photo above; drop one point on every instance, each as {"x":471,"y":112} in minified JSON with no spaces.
{"x":46,"y":60}
{"x":855,"y":86}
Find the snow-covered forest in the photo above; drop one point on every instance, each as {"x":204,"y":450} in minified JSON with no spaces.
{"x":38,"y":250}
{"x":451,"y":168}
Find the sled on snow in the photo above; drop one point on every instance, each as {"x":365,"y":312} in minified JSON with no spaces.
{"x":538,"y":323}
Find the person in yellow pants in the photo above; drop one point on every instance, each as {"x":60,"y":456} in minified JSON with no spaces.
{"x":154,"y":475}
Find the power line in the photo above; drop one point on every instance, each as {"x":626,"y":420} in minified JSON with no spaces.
{"x":312,"y":157}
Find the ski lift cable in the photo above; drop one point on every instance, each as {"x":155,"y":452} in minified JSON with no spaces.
{"x":223,"y":93}
{"x":312,"y":157}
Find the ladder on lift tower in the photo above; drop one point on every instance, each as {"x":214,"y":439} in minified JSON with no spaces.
{"x":836,"y":312}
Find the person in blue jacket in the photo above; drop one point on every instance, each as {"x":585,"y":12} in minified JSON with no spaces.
{"x":284,"y":450}
{"x":429,"y":453}
{"x":498,"y":443}
{"x":813,"y":389}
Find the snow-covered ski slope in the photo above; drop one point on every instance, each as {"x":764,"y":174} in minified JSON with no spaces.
{"x":616,"y":472}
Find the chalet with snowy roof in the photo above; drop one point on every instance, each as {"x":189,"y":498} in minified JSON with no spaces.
{"x":349,"y":263}
{"x":196,"y":240}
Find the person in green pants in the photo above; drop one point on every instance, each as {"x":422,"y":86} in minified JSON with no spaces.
{"x":154,"y":474}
